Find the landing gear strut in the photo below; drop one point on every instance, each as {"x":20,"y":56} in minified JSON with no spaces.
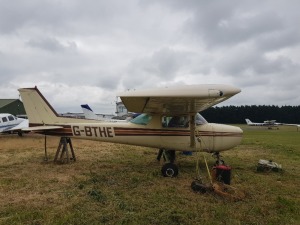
{"x":169,"y":169}
{"x":219,"y":161}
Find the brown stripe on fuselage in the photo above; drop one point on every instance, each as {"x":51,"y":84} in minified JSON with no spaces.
{"x":167,"y":132}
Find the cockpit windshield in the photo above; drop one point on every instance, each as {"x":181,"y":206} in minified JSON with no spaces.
{"x":200,"y":119}
{"x":142,"y":119}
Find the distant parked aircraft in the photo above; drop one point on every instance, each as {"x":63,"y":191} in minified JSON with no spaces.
{"x":291,"y":124}
{"x":12,"y":124}
{"x":265,"y":123}
{"x":89,"y":114}
{"x":249,"y":123}
{"x":270,"y":124}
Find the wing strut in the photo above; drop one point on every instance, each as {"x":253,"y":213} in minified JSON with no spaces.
{"x":192,"y":130}
{"x":146,"y":103}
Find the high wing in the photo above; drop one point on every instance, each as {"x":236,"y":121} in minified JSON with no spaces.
{"x":176,"y":100}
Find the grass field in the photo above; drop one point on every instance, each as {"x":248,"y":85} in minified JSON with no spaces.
{"x":121,"y":184}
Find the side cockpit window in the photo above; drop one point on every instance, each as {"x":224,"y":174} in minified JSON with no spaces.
{"x":11,"y":118}
{"x":142,"y":119}
{"x":181,"y":121}
{"x":175,"y":121}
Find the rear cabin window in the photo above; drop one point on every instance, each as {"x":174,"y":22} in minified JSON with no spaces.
{"x":4,"y":119}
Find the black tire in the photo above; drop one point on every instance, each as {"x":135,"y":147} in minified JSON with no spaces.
{"x":169,"y":170}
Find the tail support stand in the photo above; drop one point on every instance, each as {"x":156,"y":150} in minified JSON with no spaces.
{"x":63,"y":150}
{"x":46,"y":154}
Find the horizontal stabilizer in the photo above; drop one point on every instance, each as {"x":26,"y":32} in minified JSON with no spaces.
{"x":42,"y":128}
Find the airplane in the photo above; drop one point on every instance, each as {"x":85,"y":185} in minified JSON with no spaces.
{"x":89,"y":114}
{"x":152,"y":128}
{"x":12,"y":124}
{"x":268,"y":123}
{"x":249,"y":123}
{"x":292,"y":124}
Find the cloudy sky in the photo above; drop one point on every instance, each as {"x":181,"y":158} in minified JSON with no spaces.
{"x":80,"y":52}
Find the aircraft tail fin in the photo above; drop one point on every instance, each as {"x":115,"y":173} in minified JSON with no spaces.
{"x":248,"y":121}
{"x":38,"y":109}
{"x":88,"y":112}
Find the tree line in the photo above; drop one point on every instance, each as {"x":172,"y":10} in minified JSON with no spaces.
{"x":238,"y":114}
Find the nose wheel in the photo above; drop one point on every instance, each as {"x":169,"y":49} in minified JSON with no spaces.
{"x":169,"y":169}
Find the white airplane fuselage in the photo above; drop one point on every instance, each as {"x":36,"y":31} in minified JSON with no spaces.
{"x":8,"y":122}
{"x":209,"y":137}
{"x":150,"y":129}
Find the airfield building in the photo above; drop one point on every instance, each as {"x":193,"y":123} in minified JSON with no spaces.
{"x":121,"y":109}
{"x":12,"y":106}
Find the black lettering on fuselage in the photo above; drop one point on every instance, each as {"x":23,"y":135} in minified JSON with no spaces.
{"x":95,"y":131}
{"x":90,"y":131}
{"x":109,"y":132}
{"x":102,"y":131}
{"x":76,"y":131}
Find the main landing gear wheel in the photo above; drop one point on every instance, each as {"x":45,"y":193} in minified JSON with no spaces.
{"x":169,"y":170}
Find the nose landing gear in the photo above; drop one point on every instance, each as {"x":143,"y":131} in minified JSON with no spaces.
{"x":169,"y":169}
{"x":219,"y":161}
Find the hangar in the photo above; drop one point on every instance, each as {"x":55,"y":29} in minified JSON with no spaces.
{"x":12,"y":106}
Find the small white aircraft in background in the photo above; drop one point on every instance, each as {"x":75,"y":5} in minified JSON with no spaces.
{"x":291,"y":124}
{"x":267,"y":123}
{"x":12,"y":124}
{"x":169,"y":121}
{"x":249,"y":123}
{"x":270,"y":124}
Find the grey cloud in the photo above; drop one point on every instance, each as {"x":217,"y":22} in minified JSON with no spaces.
{"x":107,"y":46}
{"x":278,"y":40}
{"x":108,"y":81}
{"x":61,"y":16}
{"x":232,"y":28}
{"x":52,"y":44}
{"x":249,"y":60}
{"x":164,"y":64}
{"x":15,"y":15}
{"x":221,"y":23}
